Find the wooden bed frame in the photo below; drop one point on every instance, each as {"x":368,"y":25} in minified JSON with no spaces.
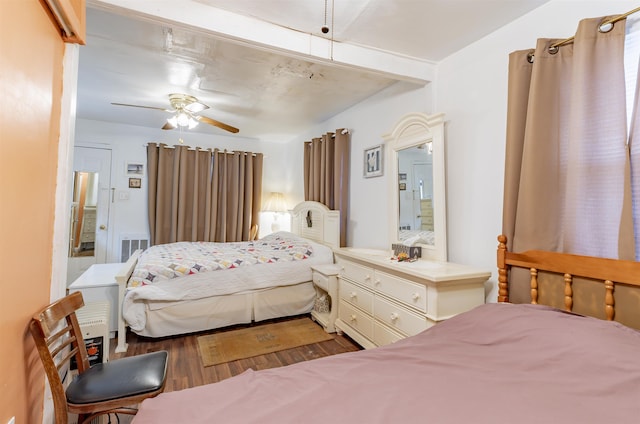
{"x":311,"y":220}
{"x":608,"y":273}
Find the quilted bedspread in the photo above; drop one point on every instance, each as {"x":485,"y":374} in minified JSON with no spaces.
{"x":176,"y":272}
{"x":172,"y":260}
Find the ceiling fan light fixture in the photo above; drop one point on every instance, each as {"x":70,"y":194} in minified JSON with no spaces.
{"x":182,"y":119}
{"x":192,"y":123}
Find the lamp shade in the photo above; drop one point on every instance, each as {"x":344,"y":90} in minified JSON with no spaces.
{"x":275,"y":203}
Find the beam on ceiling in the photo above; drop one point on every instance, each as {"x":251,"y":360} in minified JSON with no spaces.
{"x":270,"y":37}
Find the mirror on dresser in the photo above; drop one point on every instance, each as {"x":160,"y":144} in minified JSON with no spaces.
{"x":416,"y":158}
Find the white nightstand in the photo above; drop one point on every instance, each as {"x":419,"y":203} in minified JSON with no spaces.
{"x":325,"y":280}
{"x":98,"y":283}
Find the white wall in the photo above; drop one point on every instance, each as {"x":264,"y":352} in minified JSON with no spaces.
{"x":128,"y":144}
{"x":471,"y":89}
{"x":368,"y":121}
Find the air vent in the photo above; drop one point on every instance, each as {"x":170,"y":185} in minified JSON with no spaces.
{"x":130,"y":243}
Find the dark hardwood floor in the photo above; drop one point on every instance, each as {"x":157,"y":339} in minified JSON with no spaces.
{"x":185,"y":366}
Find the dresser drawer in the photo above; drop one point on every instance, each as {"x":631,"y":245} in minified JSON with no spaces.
{"x":356,"y":319}
{"x":405,"y":291}
{"x":355,"y":272}
{"x":398,"y":318}
{"x":355,"y":295}
{"x":384,"y":336}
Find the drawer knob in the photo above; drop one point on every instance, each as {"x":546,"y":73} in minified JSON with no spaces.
{"x":352,"y":295}
{"x":393,"y":316}
{"x":367,"y":277}
{"x":377,"y":282}
{"x":353,"y":317}
{"x":416,"y":296}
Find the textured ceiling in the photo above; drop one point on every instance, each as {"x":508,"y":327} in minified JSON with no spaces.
{"x":259,"y":86}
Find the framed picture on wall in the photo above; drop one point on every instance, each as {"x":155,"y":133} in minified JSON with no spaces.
{"x":373,"y":161}
{"x":135,"y":182}
{"x":135,"y":168}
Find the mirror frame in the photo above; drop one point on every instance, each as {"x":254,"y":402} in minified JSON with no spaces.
{"x":412,"y":130}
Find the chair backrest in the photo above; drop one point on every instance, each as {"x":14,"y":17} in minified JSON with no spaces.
{"x":58,"y":338}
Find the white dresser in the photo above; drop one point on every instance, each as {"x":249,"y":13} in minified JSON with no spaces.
{"x":382,"y":300}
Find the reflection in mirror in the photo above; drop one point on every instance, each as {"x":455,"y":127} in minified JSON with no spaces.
{"x":415,"y":194}
{"x":83,"y":214}
{"x":417,"y":199}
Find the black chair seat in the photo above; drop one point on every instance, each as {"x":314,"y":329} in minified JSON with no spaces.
{"x":119,"y":378}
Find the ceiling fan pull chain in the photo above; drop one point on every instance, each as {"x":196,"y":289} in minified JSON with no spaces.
{"x":325,"y":12}
{"x":325,"y":28}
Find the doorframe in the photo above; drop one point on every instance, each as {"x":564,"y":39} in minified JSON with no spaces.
{"x":61,"y":222}
{"x":61,"y":211}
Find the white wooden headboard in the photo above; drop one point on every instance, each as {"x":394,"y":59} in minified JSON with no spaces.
{"x":317,"y":222}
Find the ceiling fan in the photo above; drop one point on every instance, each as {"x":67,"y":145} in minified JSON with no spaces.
{"x":185,"y":109}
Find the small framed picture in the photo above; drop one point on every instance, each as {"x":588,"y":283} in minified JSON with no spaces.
{"x":373,"y":161}
{"x":403,"y":186}
{"x":135,"y":182}
{"x":135,"y":168}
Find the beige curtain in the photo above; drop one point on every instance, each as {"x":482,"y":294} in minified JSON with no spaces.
{"x":326,"y":174}
{"x":200,"y":195}
{"x":567,"y":184}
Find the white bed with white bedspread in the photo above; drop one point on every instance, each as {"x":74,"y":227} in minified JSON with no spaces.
{"x":186,"y":287}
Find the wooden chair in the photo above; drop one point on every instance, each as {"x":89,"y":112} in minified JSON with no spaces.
{"x":112,"y":387}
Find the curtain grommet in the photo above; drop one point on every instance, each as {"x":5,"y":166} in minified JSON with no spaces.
{"x":553,"y":49}
{"x":531,"y":57}
{"x":605,"y":27}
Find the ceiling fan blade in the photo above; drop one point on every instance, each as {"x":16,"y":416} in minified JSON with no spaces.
{"x":168,"y":126}
{"x":196,"y":107}
{"x":144,"y":107}
{"x":217,"y":124}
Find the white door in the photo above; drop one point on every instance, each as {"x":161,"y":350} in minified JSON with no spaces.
{"x":89,"y":210}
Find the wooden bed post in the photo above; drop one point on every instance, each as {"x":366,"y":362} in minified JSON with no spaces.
{"x":609,"y":300}
{"x":503,"y":271}
{"x":568,"y":292}
{"x":534,"y":285}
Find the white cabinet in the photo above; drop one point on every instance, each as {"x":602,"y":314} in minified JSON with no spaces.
{"x":325,"y":280}
{"x":98,"y":283}
{"x":382,"y":300}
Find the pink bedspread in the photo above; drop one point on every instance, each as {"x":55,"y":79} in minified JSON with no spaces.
{"x":499,"y":363}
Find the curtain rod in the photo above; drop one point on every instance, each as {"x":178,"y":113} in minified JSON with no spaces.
{"x":203,"y":149}
{"x":605,"y":23}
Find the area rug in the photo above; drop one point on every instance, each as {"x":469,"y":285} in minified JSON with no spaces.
{"x":259,"y":340}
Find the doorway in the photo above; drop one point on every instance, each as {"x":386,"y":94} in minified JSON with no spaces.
{"x":89,"y":211}
{"x":419,"y":188}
